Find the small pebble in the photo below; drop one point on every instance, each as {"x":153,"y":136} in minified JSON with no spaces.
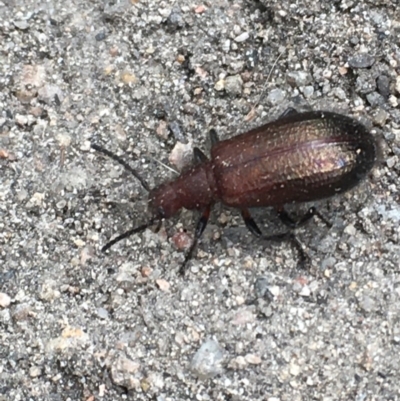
{"x":102,"y":313}
{"x":294,"y":369}
{"x":242,"y":317}
{"x":350,"y":230}
{"x":383,"y":85}
{"x":21,"y":119}
{"x":162,"y":130}
{"x":391,"y":161}
{"x":5,"y":300}
{"x":49,"y":92}
{"x":233,"y":84}
{"x":375,"y":99}
{"x":100,"y":36}
{"x":339,"y":93}
{"x":3,"y":154}
{"x":305,"y":291}
{"x":21,"y":24}
{"x":380,"y":117}
{"x":182,"y":240}
{"x":206,"y":362}
{"x":275,"y":97}
{"x":253,"y":359}
{"x":220,"y":85}
{"x":163,"y":285}
{"x":175,"y":19}
{"x":308,"y":91}
{"x":362,"y":60}
{"x":298,"y":78}
{"x":35,"y":371}
{"x":238,"y":363}
{"x":123,"y":372}
{"x":242,"y":37}
{"x":367,"y":304}
{"x":393,"y":101}
{"x":181,"y":155}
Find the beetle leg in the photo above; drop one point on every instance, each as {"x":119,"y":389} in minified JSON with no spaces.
{"x":213,"y":137}
{"x":253,"y":228}
{"x":288,"y":112}
{"x":201,"y":225}
{"x":199,"y":156}
{"x":291,"y":223}
{"x":322,"y":218}
{"x":250,"y":223}
{"x":303,"y":255}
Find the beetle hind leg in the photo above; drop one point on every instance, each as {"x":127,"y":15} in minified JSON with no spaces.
{"x":304,"y":259}
{"x":292,"y":223}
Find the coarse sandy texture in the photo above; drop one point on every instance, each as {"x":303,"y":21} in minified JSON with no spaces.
{"x":148,"y":79}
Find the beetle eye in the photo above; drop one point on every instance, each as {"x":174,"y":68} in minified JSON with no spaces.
{"x":161,"y":212}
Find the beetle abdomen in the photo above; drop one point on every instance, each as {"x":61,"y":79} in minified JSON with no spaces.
{"x":298,"y":158}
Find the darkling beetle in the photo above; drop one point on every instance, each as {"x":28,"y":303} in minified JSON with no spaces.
{"x":299,"y":157}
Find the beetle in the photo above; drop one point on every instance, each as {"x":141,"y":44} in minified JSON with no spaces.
{"x":299,"y":157}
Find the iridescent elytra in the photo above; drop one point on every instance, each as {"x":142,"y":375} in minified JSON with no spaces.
{"x":299,"y":157}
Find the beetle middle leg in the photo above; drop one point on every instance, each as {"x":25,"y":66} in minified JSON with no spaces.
{"x":254,"y":229}
{"x":201,"y":225}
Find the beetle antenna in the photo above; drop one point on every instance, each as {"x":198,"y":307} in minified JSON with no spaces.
{"x":129,"y":233}
{"x":123,"y":163}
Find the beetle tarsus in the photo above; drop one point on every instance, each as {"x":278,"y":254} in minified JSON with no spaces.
{"x":250,"y":223}
{"x":213,"y":137}
{"x":304,"y":258}
{"x":288,"y":112}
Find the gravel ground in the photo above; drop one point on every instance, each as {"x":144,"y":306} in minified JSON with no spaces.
{"x":147,"y":79}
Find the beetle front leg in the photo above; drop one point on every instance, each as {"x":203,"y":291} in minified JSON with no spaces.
{"x":201,"y":225}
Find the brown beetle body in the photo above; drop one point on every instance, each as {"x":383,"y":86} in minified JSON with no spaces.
{"x":298,"y":158}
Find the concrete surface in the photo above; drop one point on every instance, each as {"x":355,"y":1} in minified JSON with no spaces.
{"x":148,"y":79}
